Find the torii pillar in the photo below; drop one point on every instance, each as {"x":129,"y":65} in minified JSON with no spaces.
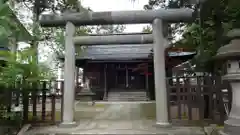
{"x":69,"y":77}
{"x":160,"y":74}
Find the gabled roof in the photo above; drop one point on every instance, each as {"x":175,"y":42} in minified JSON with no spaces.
{"x":116,"y":52}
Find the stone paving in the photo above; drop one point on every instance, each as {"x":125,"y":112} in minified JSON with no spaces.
{"x":117,"y":127}
{"x":119,"y":119}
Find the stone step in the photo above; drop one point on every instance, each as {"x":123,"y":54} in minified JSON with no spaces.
{"x":126,"y":132}
{"x":159,"y":131}
{"x":127,"y":93}
{"x":127,"y":96}
{"x":133,"y":133}
{"x":131,"y":92}
{"x":127,"y":99}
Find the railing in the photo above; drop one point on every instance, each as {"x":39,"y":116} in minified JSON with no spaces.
{"x":39,"y":103}
{"x":198,"y":99}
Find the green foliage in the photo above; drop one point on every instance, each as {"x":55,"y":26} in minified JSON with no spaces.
{"x":206,"y":33}
{"x":24,"y":68}
{"x":147,"y":29}
{"x":10,"y":25}
{"x":5,"y":21}
{"x":109,"y":29}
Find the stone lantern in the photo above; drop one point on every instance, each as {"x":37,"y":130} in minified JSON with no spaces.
{"x":230,"y":54}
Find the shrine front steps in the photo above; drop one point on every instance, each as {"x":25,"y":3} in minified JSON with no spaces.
{"x":127,"y":96}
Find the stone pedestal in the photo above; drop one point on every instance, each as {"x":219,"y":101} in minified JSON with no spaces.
{"x":231,"y":54}
{"x":232,"y":125}
{"x":86,"y":93}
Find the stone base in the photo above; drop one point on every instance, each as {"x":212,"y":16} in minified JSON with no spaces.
{"x":231,"y":127}
{"x":109,"y":127}
{"x":221,"y":132}
{"x":84,"y":99}
{"x":163,"y":125}
{"x":68,"y":125}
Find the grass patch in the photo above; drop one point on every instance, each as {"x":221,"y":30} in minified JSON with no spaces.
{"x":100,"y":105}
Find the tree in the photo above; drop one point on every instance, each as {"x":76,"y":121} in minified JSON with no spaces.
{"x":206,"y":33}
{"x":109,"y":29}
{"x":54,"y":37}
{"x":4,"y":20}
{"x":217,"y":17}
{"x":8,"y":27}
{"x":24,"y":68}
{"x":19,"y":76}
{"x":147,"y":29}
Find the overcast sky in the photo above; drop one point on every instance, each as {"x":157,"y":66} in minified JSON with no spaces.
{"x":100,"y":5}
{"x":117,"y":5}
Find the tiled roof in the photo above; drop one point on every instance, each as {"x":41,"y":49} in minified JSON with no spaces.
{"x":123,"y":52}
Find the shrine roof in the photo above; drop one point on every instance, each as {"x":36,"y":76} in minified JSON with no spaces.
{"x":125,"y":52}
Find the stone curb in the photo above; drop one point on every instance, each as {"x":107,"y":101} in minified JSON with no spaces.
{"x":24,"y":129}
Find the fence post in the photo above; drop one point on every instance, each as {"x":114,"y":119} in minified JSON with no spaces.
{"x":53,"y":107}
{"x":9,"y":99}
{"x":168,"y":97}
{"x":200,"y":98}
{"x":189,"y":97}
{"x":178,"y":98}
{"x":62,"y":97}
{"x":25,"y":96}
{"x":44,"y":88}
{"x":34,"y":91}
{"x":210,"y":96}
{"x":17,"y":89}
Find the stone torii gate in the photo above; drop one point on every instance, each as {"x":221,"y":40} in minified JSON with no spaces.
{"x":156,"y":17}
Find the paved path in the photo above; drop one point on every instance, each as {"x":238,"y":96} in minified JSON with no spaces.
{"x":118,"y":119}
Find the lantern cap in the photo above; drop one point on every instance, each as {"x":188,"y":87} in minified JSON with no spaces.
{"x":231,"y":50}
